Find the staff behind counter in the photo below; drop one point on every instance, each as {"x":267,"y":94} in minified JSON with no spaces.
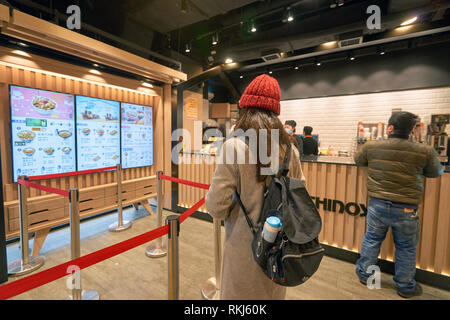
{"x":305,"y":144}
{"x":310,"y":146}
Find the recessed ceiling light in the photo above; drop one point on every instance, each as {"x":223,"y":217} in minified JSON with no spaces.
{"x":329,"y":43}
{"x":95,"y":65}
{"x":22,"y":44}
{"x":241,"y":77}
{"x":93,"y":71}
{"x":228,"y":61}
{"x":148,"y":85}
{"x":21,"y":53}
{"x":296,"y":67}
{"x":409,"y":21}
{"x":270,"y":72}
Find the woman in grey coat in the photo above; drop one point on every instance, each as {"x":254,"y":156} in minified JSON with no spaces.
{"x":242,"y":278}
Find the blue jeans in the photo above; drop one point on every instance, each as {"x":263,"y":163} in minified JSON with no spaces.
{"x":404,"y":221}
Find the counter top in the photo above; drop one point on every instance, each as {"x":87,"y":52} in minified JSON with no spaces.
{"x":329,"y":159}
{"x":318,"y":159}
{"x":340,"y":160}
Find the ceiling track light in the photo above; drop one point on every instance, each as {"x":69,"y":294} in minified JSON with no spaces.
{"x":215,"y":39}
{"x":253,"y":27}
{"x":289,"y":17}
{"x":188,"y":48}
{"x":184,"y":6}
{"x":296,"y":67}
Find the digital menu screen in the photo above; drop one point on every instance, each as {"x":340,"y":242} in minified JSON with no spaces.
{"x":137,"y":136}
{"x":42,"y":132}
{"x":98,"y":133}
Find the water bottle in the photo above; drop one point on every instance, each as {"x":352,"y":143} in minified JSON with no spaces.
{"x":271,"y":228}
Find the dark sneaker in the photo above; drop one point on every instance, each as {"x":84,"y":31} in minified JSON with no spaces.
{"x":362,"y":279}
{"x":410,"y":294}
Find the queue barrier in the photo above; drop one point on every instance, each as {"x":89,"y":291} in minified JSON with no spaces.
{"x":211,"y":289}
{"x":118,"y":226}
{"x":27,"y":263}
{"x":172,"y":228}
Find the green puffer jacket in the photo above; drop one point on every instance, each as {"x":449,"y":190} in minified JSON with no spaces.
{"x":395,"y":168}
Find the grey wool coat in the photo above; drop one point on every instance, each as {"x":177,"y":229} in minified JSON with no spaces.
{"x":241,"y":277}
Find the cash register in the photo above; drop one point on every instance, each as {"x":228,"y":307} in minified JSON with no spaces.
{"x":437,"y":137}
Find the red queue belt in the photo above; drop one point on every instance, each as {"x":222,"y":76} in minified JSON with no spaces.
{"x":63,"y":193}
{"x":69,"y":174}
{"x":189,"y":183}
{"x":33,"y":281}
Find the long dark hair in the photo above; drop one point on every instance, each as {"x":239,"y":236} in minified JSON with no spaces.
{"x":255,"y":118}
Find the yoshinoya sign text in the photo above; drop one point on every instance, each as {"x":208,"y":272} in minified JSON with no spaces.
{"x":352,"y":208}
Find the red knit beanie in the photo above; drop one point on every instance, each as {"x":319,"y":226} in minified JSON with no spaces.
{"x":264,"y":93}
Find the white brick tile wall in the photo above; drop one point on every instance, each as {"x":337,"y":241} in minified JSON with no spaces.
{"x":335,"y":119}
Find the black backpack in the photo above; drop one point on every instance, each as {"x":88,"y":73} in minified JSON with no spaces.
{"x":296,"y":253}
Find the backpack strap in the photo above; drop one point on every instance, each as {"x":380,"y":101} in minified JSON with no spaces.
{"x":247,"y":217}
{"x":284,"y":168}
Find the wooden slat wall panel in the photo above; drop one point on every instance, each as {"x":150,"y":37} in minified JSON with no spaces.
{"x":429,"y":223}
{"x":320,"y":192}
{"x":442,"y":256}
{"x":24,"y":77}
{"x":361,"y":197}
{"x":341,"y":184}
{"x":330,"y":193}
{"x":349,"y":221}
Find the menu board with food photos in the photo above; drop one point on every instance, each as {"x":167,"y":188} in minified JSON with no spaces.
{"x":98,"y":133}
{"x":42,"y":132}
{"x":137,"y":136}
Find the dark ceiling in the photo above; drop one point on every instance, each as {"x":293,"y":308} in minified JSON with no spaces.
{"x":165,"y":27}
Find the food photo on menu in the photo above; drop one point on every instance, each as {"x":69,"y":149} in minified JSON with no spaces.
{"x":137,"y":136}
{"x":98,"y":138}
{"x":42,"y":131}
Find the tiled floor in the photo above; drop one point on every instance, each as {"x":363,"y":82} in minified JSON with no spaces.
{"x":133,"y":276}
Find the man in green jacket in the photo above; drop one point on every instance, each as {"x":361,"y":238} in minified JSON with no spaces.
{"x":394,"y":183}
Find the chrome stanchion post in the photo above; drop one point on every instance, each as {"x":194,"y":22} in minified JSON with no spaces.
{"x":27,"y":263}
{"x":121,"y":225}
{"x":157,"y":248}
{"x":173,"y":257}
{"x":211,"y":289}
{"x":74,"y":212}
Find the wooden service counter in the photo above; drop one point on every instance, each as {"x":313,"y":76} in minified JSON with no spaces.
{"x":338,"y":188}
